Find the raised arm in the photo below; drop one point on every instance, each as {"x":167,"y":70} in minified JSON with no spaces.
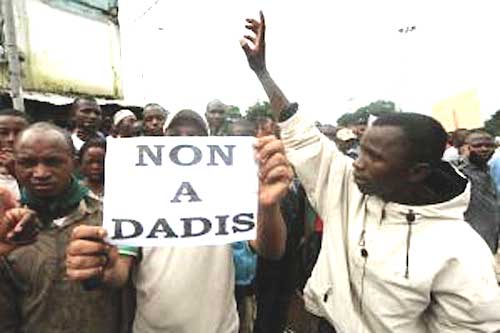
{"x":256,"y":55}
{"x":275,"y":176}
{"x":315,"y":158}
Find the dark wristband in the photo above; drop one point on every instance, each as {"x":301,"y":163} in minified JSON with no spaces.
{"x":287,"y":112}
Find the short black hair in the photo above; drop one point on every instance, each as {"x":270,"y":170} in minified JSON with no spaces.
{"x":480,"y":132}
{"x":156,"y":105}
{"x":15,"y":113}
{"x":87,"y":99}
{"x":425,"y":136}
{"x":92,"y":143}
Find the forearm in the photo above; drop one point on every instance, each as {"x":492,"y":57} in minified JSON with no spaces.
{"x":276,"y":97}
{"x":271,"y":233}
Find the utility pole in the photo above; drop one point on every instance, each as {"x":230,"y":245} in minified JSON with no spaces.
{"x":14,"y":63}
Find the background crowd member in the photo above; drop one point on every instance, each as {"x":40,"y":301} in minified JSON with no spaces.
{"x":245,"y":260}
{"x":91,"y":158}
{"x":12,"y":122}
{"x":386,"y":262}
{"x":138,"y":128}
{"x":328,"y":130}
{"x":154,"y":117}
{"x":87,"y":116}
{"x":123,"y":122}
{"x":168,"y":289}
{"x":106,"y":128}
{"x":483,"y":211}
{"x":347,"y":142}
{"x":359,"y":127}
{"x":266,"y":126}
{"x":494,"y":164}
{"x":458,"y":147}
{"x":216,"y":117}
{"x":186,"y":123}
{"x":35,"y":294}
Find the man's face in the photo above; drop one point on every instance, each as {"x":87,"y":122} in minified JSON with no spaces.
{"x":92,"y":164}
{"x":87,"y":116}
{"x":215,"y":118}
{"x":43,"y":164}
{"x":359,"y":130}
{"x":481,"y":147}
{"x":239,"y":130}
{"x":154,"y":119}
{"x":184,"y":130}
{"x":380,"y":168}
{"x":125,"y":127}
{"x":10,"y":127}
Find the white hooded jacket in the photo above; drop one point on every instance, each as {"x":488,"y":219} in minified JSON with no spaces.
{"x":387,"y":267}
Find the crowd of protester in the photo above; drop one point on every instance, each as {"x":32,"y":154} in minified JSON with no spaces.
{"x":392,"y":227}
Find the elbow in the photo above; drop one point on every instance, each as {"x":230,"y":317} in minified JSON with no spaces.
{"x":269,"y":252}
{"x":275,"y":251}
{"x":275,"y":254}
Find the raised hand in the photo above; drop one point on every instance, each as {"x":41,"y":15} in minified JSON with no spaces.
{"x":256,"y":55}
{"x":275,"y":173}
{"x":18,"y":226}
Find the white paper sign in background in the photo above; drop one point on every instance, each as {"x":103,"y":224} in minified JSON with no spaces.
{"x":180,"y":191}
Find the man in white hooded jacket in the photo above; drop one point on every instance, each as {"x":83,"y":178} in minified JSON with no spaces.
{"x":397,"y":255}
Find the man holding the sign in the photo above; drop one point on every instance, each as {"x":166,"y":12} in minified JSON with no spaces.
{"x":396,"y":255}
{"x":184,"y":288}
{"x":35,"y":295}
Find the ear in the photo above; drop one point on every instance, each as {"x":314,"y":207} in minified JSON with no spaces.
{"x":419,"y":172}
{"x":464,"y":150}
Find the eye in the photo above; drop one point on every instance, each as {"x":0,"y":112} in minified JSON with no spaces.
{"x":26,"y":162}
{"x":53,"y":162}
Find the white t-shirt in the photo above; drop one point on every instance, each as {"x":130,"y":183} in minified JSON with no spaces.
{"x":78,"y":143}
{"x":186,"y":290}
{"x":451,"y":154}
{"x":10,"y":183}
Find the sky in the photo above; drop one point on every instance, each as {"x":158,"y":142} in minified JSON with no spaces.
{"x":331,"y":56}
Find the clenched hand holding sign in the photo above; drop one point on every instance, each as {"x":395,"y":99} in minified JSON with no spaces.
{"x":164,"y":191}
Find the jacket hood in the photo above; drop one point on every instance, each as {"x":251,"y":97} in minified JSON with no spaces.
{"x":451,"y":185}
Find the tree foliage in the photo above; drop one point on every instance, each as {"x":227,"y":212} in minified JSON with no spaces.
{"x":259,"y":109}
{"x":492,"y":125}
{"x":377,"y":108}
{"x":233,"y":113}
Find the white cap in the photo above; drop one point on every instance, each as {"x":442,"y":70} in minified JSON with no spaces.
{"x":346,"y":134}
{"x":122,"y":114}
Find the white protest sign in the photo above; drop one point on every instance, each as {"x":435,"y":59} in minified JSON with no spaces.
{"x":180,"y":191}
